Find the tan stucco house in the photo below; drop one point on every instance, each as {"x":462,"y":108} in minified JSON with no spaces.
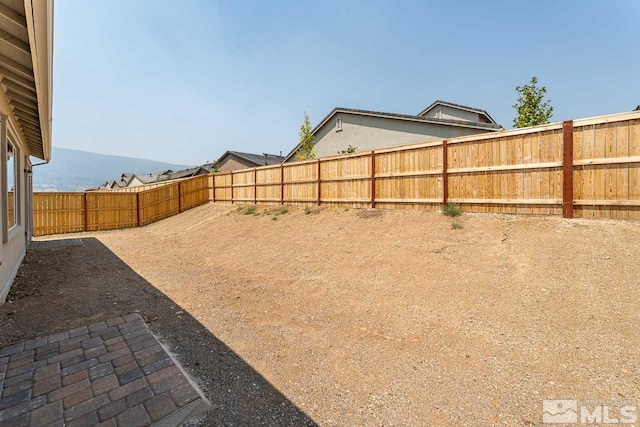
{"x":368,"y":130}
{"x":26,"y":59}
{"x":235,"y":160}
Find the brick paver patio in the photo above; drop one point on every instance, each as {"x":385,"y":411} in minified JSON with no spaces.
{"x":112,"y":373}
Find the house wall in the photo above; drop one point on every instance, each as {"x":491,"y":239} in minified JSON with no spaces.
{"x":135,"y":182}
{"x":14,"y":240}
{"x":454,"y":113}
{"x":368,"y":132}
{"x":233,"y":163}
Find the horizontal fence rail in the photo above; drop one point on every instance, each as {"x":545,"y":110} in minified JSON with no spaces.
{"x":587,"y":168}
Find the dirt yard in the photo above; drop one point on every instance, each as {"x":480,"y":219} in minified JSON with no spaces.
{"x":372,"y":318}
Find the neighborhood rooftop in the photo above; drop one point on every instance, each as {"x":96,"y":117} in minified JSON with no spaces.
{"x":258,"y":159}
{"x":457,"y":119}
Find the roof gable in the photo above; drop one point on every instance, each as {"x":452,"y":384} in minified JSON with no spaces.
{"x":439,"y":102}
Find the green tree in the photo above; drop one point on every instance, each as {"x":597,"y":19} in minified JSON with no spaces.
{"x":531,"y":106}
{"x":305,"y":151}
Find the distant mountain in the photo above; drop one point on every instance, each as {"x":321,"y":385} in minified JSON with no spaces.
{"x":75,"y":170}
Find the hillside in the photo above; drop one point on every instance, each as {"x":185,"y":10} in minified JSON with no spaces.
{"x":76,"y":170}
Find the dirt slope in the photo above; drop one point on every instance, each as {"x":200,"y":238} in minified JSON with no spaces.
{"x":394,"y":318}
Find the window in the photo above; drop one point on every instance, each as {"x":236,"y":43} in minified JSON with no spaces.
{"x":12,"y":193}
{"x":439,"y":113}
{"x":338,"y":125}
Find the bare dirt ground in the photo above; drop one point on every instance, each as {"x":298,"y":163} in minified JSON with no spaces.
{"x":372,"y":318}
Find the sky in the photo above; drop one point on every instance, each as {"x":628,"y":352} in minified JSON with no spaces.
{"x":184,"y":81}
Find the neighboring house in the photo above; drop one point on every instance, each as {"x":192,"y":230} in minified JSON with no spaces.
{"x":185,"y":173}
{"x":234,"y":160}
{"x":26,"y":67}
{"x":368,"y":130}
{"x":128,"y":179}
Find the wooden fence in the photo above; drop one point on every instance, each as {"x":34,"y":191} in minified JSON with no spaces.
{"x":55,"y":213}
{"x":585,"y":168}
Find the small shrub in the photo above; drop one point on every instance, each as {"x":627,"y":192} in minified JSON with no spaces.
{"x":250,"y":210}
{"x":451,"y":209}
{"x":282,"y":211}
{"x":346,"y":209}
{"x":456,"y":225}
{"x":350,"y":150}
{"x":274,"y":218}
{"x":307,"y":211}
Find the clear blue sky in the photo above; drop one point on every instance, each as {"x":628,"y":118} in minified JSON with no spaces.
{"x":183,"y":81}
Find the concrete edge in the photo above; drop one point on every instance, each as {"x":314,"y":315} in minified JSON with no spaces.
{"x":199,"y":406}
{"x":186,"y":413}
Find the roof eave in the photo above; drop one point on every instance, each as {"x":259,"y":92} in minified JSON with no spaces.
{"x":39,"y":17}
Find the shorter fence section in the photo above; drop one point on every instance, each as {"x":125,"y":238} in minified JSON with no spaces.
{"x":56,"y":213}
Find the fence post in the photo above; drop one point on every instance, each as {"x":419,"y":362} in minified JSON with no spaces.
{"x":255,"y":186}
{"x":179,"y":197}
{"x":231,"y":187}
{"x":373,"y":179}
{"x":282,"y":183}
{"x":567,"y":169}
{"x":319,"y":193}
{"x":86,"y":222}
{"x":213,"y":187}
{"x":138,"y":208}
{"x":445,"y":178}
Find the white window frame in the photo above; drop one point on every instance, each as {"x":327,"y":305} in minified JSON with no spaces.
{"x":16,"y":184}
{"x":16,"y":187}
{"x":9,"y":233}
{"x":439,"y":113}
{"x":338,"y":124}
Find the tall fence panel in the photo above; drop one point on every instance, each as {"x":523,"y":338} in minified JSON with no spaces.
{"x":345,"y":180}
{"x":606,"y":175}
{"x":159,"y":203}
{"x":55,"y":213}
{"x":108,"y":211}
{"x":222,"y":187}
{"x":301,"y":183}
{"x":269,"y":188}
{"x":518,"y":173}
{"x":244,"y":186}
{"x":194,"y":192}
{"x":409,"y":177}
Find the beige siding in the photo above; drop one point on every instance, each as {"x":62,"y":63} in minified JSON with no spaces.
{"x":135,"y":182}
{"x":234,"y":163}
{"x":368,"y":133}
{"x":12,"y":251}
